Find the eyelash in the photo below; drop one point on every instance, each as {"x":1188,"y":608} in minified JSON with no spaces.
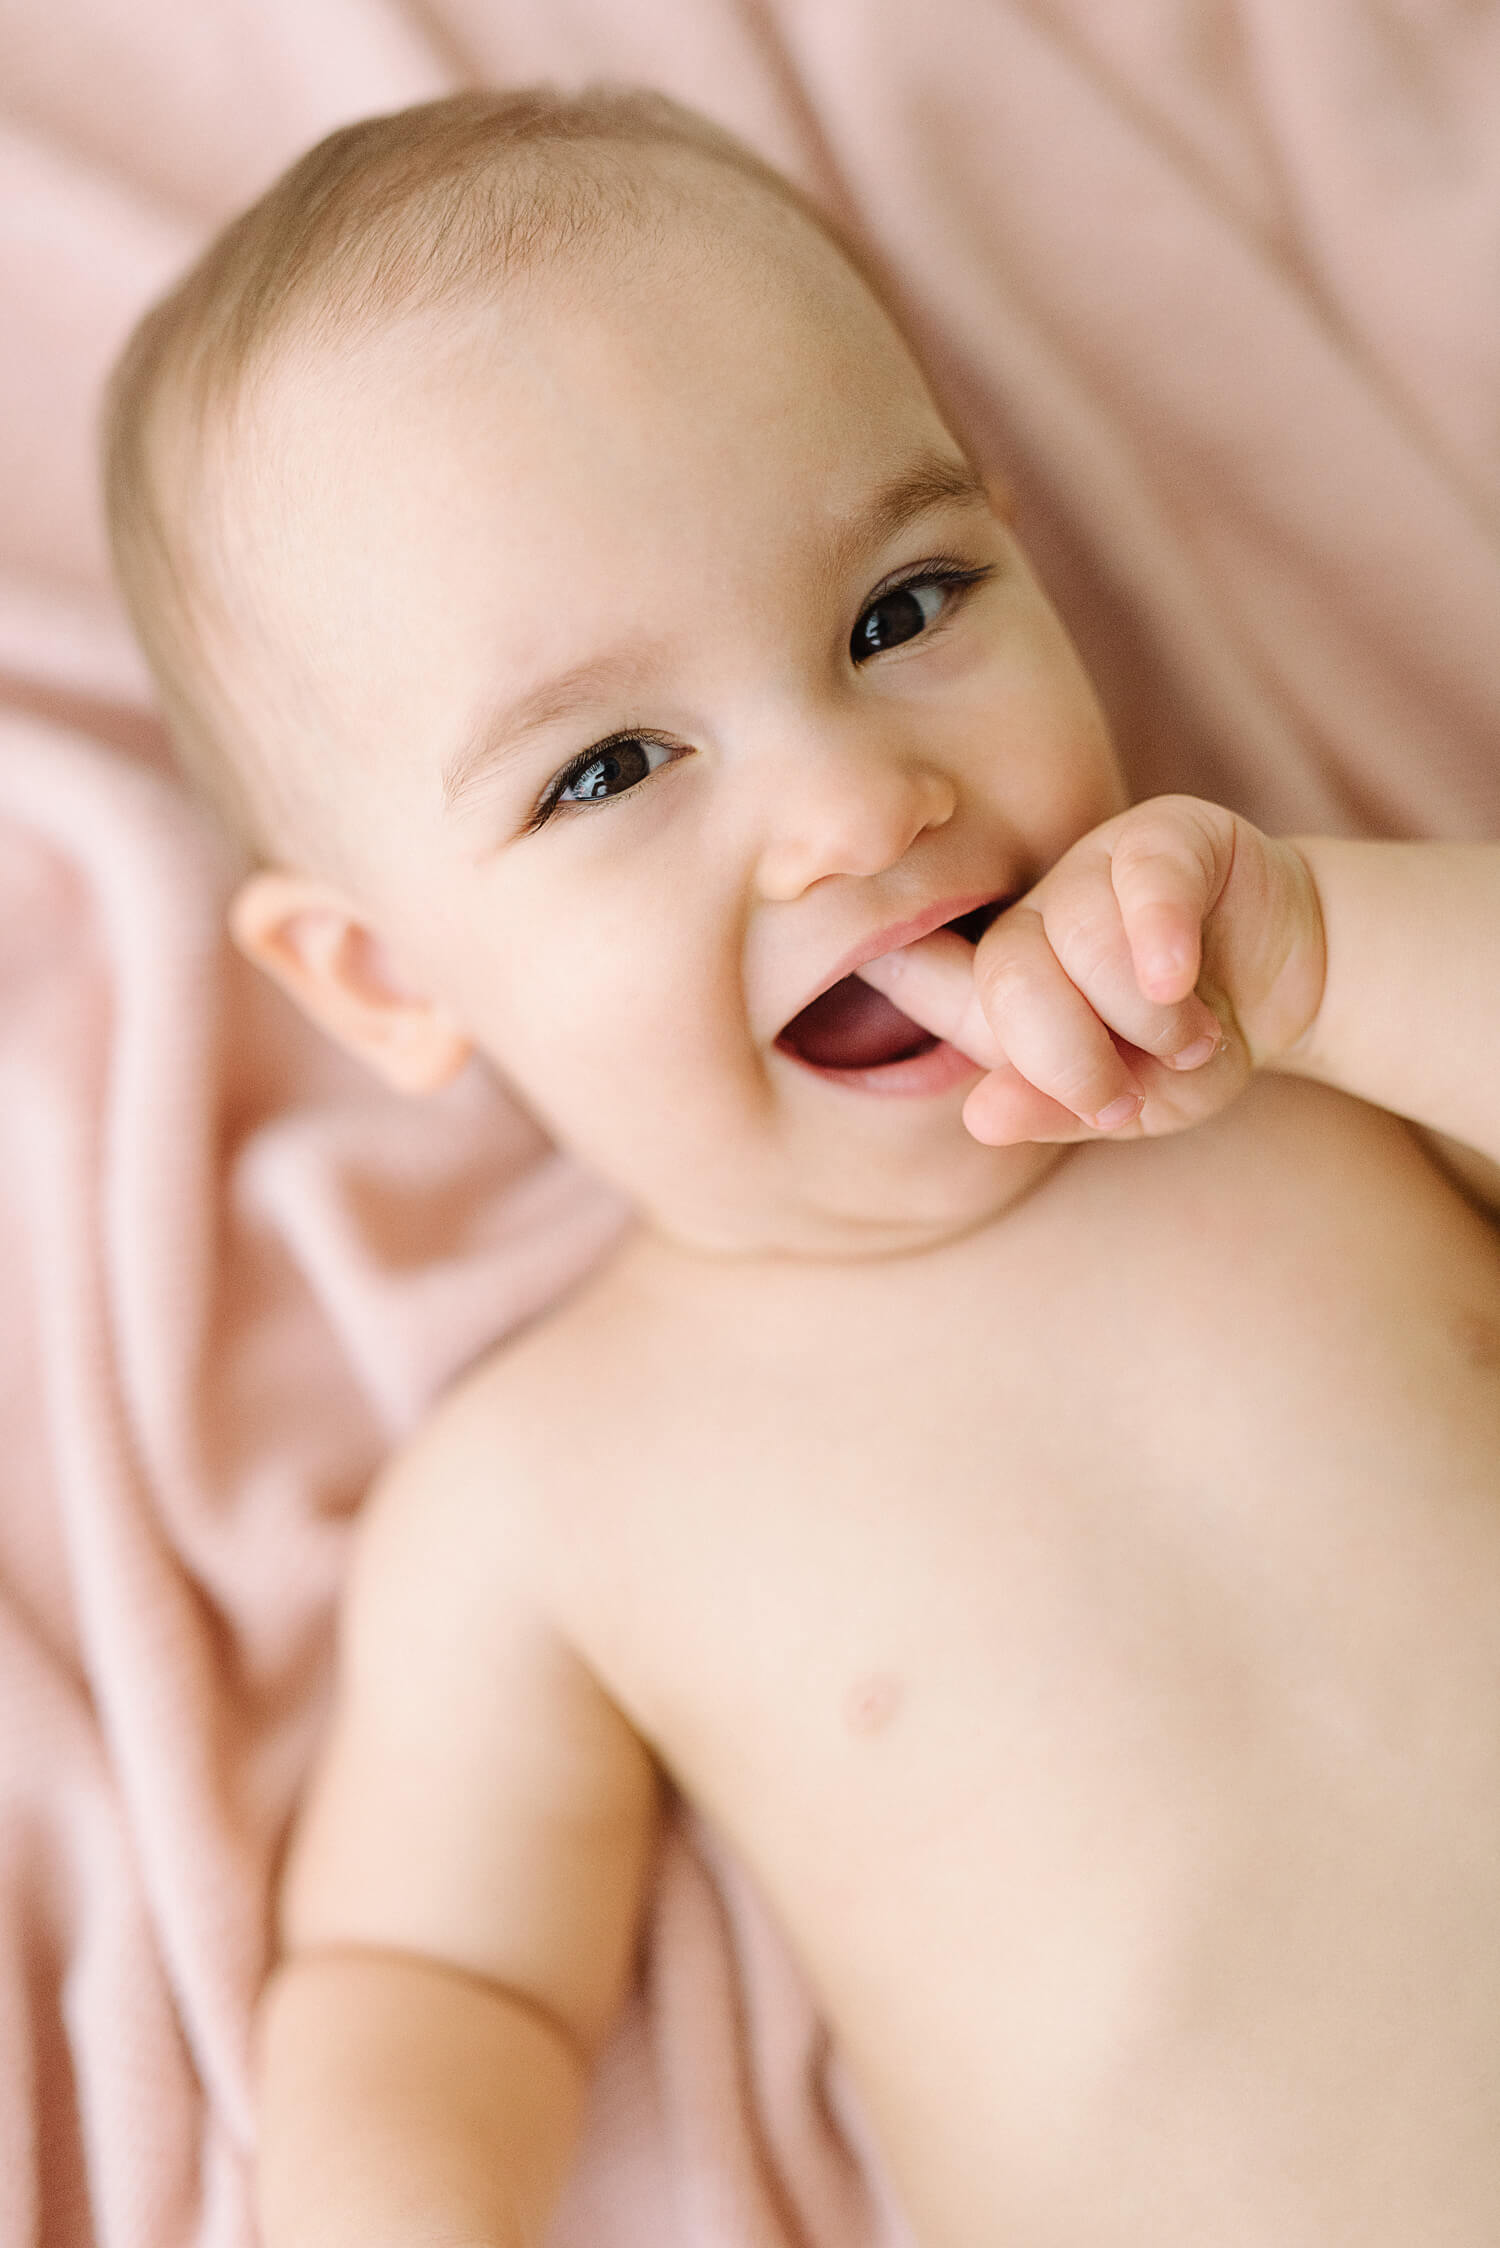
{"x":953,"y":576}
{"x":580,"y":764}
{"x":938,"y":569}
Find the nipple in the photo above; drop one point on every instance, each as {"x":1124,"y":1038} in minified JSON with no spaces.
{"x":872,"y":1701}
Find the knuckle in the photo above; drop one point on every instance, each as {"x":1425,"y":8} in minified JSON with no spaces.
{"x":1093,"y":939}
{"x":1166,"y":831}
{"x":1012,"y":972}
{"x":1084,"y":1086}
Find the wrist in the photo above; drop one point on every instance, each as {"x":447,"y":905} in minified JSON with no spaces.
{"x":1281,"y":1029}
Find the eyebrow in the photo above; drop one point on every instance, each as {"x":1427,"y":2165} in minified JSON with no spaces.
{"x":931,"y":479}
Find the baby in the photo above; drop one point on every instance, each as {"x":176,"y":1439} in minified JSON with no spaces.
{"x":1032,"y":1473}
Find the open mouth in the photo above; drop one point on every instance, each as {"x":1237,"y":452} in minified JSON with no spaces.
{"x":851,"y":1026}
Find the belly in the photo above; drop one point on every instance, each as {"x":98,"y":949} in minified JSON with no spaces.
{"x":1206,"y":1945}
{"x":1149,"y":1905}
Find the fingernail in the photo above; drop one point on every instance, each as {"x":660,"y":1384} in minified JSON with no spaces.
{"x":1118,"y":1112}
{"x":1201,"y":1050}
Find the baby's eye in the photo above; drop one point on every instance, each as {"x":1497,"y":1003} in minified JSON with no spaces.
{"x":905,"y":610}
{"x":608,"y":769}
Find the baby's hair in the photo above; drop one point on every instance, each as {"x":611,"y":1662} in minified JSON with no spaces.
{"x":429,"y":206}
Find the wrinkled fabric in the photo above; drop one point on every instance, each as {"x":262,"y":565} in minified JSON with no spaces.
{"x":1215,"y":284}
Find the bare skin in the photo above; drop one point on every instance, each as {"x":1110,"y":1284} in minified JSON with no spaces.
{"x":1058,"y":1543}
{"x":1086,"y":1634}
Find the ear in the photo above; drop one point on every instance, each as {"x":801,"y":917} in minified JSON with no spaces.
{"x":316,"y":943}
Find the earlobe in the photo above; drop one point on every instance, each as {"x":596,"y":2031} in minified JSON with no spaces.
{"x":314,"y":941}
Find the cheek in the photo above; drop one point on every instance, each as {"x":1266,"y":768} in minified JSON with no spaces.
{"x":1072,"y":777}
{"x":1047,"y":772}
{"x":589,"y":996}
{"x":642,"y":1094}
{"x":605,"y":1016}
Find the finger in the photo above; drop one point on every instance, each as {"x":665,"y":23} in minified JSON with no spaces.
{"x":1004,"y":1109}
{"x":1086,"y":929}
{"x":1046,"y":1026}
{"x":1165,"y":878}
{"x":933,"y":982}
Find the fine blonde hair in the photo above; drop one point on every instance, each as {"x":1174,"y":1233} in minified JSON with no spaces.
{"x":427,"y":206}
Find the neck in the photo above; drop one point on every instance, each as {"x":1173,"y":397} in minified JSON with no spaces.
{"x":794,"y":1259}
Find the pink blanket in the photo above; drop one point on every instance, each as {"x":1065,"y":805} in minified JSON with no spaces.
{"x":1220,"y":281}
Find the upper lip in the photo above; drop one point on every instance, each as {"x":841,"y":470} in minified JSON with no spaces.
{"x":892,"y":938}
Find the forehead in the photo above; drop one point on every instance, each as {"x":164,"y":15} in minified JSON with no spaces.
{"x":578,"y":460}
{"x":702,"y":362}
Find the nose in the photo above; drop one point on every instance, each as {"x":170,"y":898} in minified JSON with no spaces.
{"x":847,"y":807}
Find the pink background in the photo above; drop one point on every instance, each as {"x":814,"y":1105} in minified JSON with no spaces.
{"x":1219,"y":282}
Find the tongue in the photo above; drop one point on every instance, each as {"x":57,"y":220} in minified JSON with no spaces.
{"x":854,"y":1027}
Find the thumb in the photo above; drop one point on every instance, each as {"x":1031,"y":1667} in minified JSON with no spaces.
{"x":932,"y":981}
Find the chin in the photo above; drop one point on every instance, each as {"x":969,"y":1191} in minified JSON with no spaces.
{"x":905,"y":1208}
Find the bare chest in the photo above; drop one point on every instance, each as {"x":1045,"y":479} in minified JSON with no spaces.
{"x":1236,"y":1427}
{"x":1117,"y":1629}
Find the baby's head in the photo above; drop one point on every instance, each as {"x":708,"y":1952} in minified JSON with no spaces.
{"x":556,"y":568}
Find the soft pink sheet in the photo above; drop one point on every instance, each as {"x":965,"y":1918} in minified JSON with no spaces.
{"x":1221,"y":282}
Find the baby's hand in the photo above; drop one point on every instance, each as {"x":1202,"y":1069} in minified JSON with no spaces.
{"x":1132,"y":991}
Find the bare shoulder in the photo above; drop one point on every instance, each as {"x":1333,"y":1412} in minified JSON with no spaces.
{"x":464,"y":1493}
{"x":469,"y":1497}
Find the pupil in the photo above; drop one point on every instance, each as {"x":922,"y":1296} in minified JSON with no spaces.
{"x":893,"y":618}
{"x":620,"y":767}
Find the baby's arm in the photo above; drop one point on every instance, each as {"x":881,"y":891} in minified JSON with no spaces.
{"x":1176,"y":948}
{"x":1409,"y":1016}
{"x":461,"y":1902}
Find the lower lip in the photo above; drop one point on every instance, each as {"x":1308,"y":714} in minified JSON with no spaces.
{"x":937,"y":1070}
